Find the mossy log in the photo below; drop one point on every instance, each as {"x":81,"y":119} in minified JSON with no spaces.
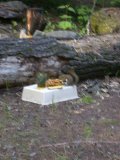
{"x":91,"y":57}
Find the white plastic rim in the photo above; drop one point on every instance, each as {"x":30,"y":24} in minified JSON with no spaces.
{"x":47,"y":96}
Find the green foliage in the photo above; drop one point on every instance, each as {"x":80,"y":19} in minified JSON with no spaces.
{"x":115,"y":3}
{"x":83,"y":13}
{"x":108,"y":121}
{"x":41,"y":79}
{"x":82,"y":31}
{"x":101,"y":3}
{"x":67,"y":8}
{"x":87,"y":131}
{"x":61,"y":157}
{"x":87,"y":99}
{"x":65,"y":25}
{"x":14,"y":23}
{"x":7,"y":111}
{"x":71,"y":18}
{"x":66,"y":18}
{"x":50,"y":26}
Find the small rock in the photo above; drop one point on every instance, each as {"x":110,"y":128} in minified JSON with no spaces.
{"x":112,"y":127}
{"x":114,"y":84}
{"x":32,"y":154}
{"x":104,"y":90}
{"x":38,"y":34}
{"x":8,"y":146}
{"x":63,"y":35}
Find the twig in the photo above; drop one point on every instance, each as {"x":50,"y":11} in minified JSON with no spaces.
{"x":77,"y":143}
{"x":88,"y":23}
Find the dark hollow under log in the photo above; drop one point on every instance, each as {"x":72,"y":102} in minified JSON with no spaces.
{"x":91,"y":57}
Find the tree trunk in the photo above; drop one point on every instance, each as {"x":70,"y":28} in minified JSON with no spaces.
{"x":91,"y":57}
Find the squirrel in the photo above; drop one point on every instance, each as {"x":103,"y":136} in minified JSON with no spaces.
{"x":70,"y":78}
{"x":35,"y":20}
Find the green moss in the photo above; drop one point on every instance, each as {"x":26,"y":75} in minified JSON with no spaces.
{"x":103,"y":23}
{"x":107,"y":26}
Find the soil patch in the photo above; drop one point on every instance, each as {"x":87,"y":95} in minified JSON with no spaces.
{"x":82,"y":129}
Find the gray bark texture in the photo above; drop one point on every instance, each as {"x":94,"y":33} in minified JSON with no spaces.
{"x":12,"y":9}
{"x":90,"y":57}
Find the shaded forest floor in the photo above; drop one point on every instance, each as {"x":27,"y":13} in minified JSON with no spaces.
{"x":84,"y":129}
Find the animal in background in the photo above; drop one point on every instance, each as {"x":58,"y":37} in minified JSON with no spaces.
{"x":35,"y":20}
{"x":70,"y":78}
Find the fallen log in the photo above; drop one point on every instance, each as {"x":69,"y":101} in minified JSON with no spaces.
{"x":90,"y":56}
{"x":12,"y":9}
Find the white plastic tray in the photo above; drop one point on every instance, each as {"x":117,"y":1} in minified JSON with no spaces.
{"x":47,"y":96}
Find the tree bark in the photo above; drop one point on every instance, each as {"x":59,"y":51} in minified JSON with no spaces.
{"x":91,"y":57}
{"x":12,"y":9}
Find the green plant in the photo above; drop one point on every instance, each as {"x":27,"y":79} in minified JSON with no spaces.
{"x":83,"y":13}
{"x":83,"y":31}
{"x":7,"y":84}
{"x":117,"y":74}
{"x":7,"y":111}
{"x":50,"y":26}
{"x":71,"y":18}
{"x":87,"y":131}
{"x":101,"y":3}
{"x":66,"y":9}
{"x":66,"y":18}
{"x":41,"y":79}
{"x":108,"y":121}
{"x":74,"y":18}
{"x":87,"y":99}
{"x":14,"y":23}
{"x":1,"y":126}
{"x":61,"y":157}
{"x":115,"y":3}
{"x":64,"y":25}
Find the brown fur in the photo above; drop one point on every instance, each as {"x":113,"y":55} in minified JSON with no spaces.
{"x":70,"y":78}
{"x":35,"y":20}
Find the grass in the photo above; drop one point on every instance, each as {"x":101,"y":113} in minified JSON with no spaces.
{"x":61,"y":157}
{"x":7,"y":112}
{"x":87,"y":131}
{"x":1,"y":126}
{"x":87,"y":99}
{"x":53,"y":106}
{"x":109,"y":121}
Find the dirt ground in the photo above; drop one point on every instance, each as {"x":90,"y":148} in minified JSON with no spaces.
{"x":74,"y":130}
